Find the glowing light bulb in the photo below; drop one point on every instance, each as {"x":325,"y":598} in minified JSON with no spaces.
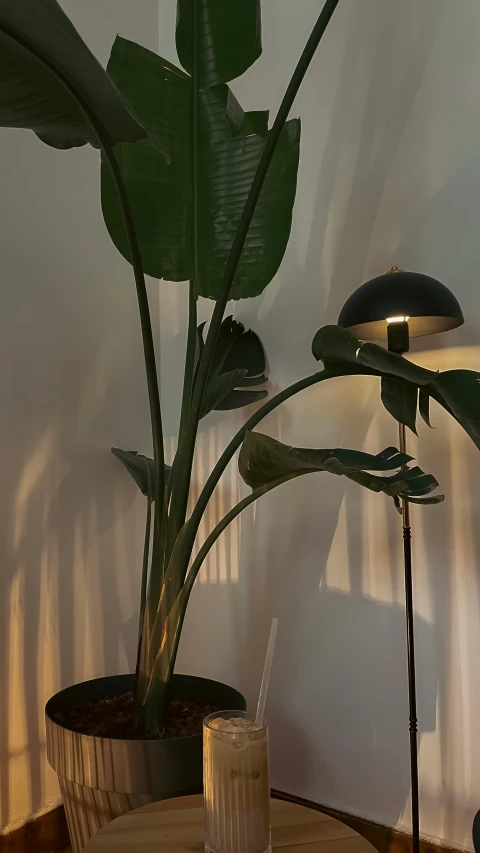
{"x":398,"y":319}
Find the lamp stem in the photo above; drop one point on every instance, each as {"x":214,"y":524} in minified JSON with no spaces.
{"x":412,"y":690}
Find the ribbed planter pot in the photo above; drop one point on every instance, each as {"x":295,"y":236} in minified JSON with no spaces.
{"x":102,"y":778}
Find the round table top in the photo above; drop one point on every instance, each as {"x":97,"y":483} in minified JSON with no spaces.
{"x":176,"y":826}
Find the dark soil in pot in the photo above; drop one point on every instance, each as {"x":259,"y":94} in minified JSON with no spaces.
{"x":112,"y":716}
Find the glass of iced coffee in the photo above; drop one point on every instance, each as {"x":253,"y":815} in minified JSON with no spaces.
{"x":236,"y":783}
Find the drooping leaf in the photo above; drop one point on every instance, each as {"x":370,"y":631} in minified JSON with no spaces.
{"x":263,"y":460}
{"x":219,"y":388}
{"x":387,"y":460}
{"x":199,"y":344}
{"x":458,"y":391}
{"x":424,"y":404}
{"x":236,"y":349}
{"x":334,"y":345}
{"x":187,"y":205}
{"x":434,"y":499}
{"x":378,"y":358}
{"x":229,"y":38}
{"x":400,"y":399}
{"x":141,"y":468}
{"x":239,"y":347}
{"x":47,"y":71}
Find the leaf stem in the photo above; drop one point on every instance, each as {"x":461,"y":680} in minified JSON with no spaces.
{"x":174,"y":521}
{"x":143,"y":591}
{"x":236,"y":441}
{"x":301,"y":68}
{"x":147,"y":338}
{"x":189,"y":358}
{"x":164,"y":666}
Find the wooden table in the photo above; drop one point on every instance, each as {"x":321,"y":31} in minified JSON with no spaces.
{"x":176,"y":826}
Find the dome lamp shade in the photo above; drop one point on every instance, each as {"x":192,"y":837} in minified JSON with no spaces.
{"x":425,"y":303}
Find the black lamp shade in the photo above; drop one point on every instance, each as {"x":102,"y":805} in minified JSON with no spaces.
{"x":429,"y":305}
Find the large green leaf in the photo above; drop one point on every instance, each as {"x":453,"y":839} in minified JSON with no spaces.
{"x":187,"y":205}
{"x":458,"y":391}
{"x":229,"y":38}
{"x":238,"y":354}
{"x":263,"y":461}
{"x":49,"y":80}
{"x":141,"y":468}
{"x":336,"y":346}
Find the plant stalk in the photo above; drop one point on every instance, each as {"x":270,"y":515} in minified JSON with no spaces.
{"x":188,"y":381}
{"x":236,"y":441}
{"x":181,"y":484}
{"x":189,"y":359}
{"x":147,"y":338}
{"x":143,"y":592}
{"x":239,"y":242}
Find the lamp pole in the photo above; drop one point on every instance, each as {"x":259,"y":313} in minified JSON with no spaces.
{"x":411,"y":304}
{"x":399,"y":343}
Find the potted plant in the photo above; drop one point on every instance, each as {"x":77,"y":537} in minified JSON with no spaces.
{"x":193,"y":189}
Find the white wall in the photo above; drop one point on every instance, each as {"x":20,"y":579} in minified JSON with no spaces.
{"x":72,"y":385}
{"x":389,"y":174}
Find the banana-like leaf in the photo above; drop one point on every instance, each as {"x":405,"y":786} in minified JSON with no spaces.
{"x":141,"y":468}
{"x":47,"y":72}
{"x":228,"y":36}
{"x":238,"y":350}
{"x":400,"y":399}
{"x":458,"y":391}
{"x":424,"y":404}
{"x":263,"y":461}
{"x":187,"y":205}
{"x":336,"y":346}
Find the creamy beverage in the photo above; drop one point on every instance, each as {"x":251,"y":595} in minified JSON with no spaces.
{"x":236,"y":784}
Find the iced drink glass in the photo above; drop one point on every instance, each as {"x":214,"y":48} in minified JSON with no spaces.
{"x":236,"y":783}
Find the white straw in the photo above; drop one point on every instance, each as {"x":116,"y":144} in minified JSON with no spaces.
{"x":266,"y":671}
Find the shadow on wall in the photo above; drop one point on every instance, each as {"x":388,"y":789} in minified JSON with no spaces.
{"x":320,"y":554}
{"x":386,"y":191}
{"x":68,"y":564}
{"x":398,"y":183}
{"x":339,"y":691}
{"x":72,"y":525}
{"x":326,"y":557}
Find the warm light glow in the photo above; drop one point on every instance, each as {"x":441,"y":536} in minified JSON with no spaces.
{"x":398,"y":319}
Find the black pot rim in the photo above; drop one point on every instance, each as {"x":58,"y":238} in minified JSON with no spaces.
{"x":177,"y":678}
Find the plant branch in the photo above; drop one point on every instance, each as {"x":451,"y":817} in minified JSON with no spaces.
{"x":189,"y":359}
{"x":177,"y":615}
{"x":147,"y":338}
{"x":143,"y":592}
{"x":184,"y":475}
{"x":188,"y":381}
{"x":236,"y":441}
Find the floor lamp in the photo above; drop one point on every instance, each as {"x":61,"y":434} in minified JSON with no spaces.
{"x":395,"y":307}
